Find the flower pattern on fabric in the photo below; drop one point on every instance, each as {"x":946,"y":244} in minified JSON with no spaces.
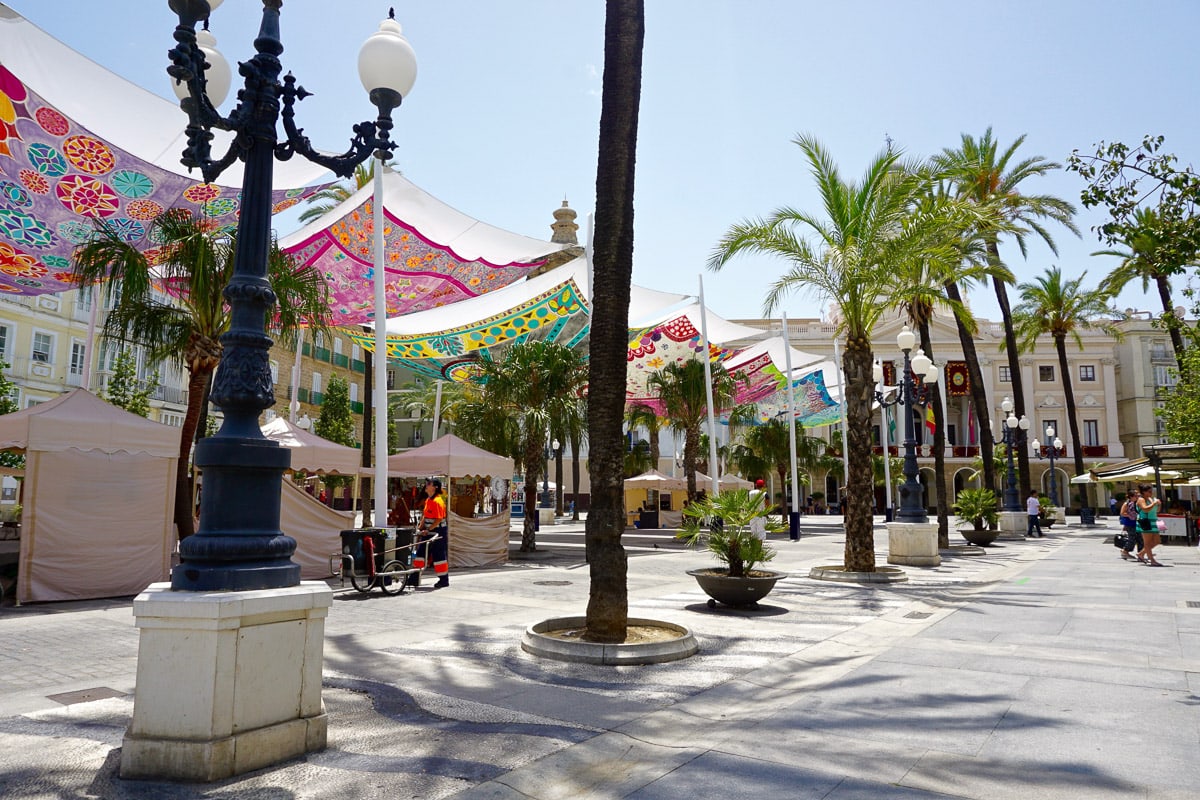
{"x":219,"y":207}
{"x":128,"y":229}
{"x":144,"y":210}
{"x":65,"y":277}
{"x":33,"y":181}
{"x":18,"y":264}
{"x":24,"y":229}
{"x":74,"y":231}
{"x":56,"y":262}
{"x":131,"y":183}
{"x":52,"y":122}
{"x":284,"y":205}
{"x":87,"y":196}
{"x":46,"y":160}
{"x":89,"y":155}
{"x":12,"y":95}
{"x":15,"y":194}
{"x":202,"y":193}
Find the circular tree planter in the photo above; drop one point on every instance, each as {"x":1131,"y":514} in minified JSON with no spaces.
{"x":735,"y":592}
{"x":839,"y":573}
{"x":650,"y":641}
{"x":981,"y":538}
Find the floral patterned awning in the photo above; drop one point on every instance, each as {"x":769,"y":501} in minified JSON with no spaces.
{"x":814,"y":405}
{"x":57,"y":178}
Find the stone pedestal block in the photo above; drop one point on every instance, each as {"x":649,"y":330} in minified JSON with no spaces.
{"x":546,"y":516}
{"x":913,"y":544}
{"x":1013,"y":524}
{"x":227,"y":682}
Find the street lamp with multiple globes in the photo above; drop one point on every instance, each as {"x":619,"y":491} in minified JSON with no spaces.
{"x":1013,"y":432}
{"x":1053,"y":446}
{"x":239,"y":545}
{"x":550,"y":446}
{"x":911,"y":396}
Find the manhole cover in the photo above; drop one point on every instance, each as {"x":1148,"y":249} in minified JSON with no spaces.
{"x":551,"y":583}
{"x":1193,"y":603}
{"x":85,"y":695}
{"x":918,"y":615}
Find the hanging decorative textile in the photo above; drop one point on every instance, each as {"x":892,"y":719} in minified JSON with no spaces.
{"x":958,"y":380}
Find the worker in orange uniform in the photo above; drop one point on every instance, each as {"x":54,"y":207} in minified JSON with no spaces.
{"x":433,"y":523}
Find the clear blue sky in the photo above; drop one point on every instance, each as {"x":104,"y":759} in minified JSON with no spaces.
{"x":502,"y":122}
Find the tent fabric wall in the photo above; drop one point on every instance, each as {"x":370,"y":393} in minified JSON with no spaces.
{"x":95,"y":524}
{"x":481,"y":542}
{"x":315,"y":527}
{"x":451,"y":456}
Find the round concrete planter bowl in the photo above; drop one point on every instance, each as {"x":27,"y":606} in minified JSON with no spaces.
{"x":982,"y":538}
{"x":677,"y":642}
{"x":838,"y":573}
{"x":735,"y":592}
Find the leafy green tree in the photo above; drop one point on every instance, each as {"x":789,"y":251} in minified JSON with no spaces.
{"x":1181,"y":408}
{"x":771,"y":443}
{"x":852,"y":259}
{"x":7,"y":406}
{"x":640,"y":415}
{"x":1062,"y":308}
{"x":681,"y":388}
{"x":621,"y":91}
{"x":991,"y":178}
{"x":124,"y":390}
{"x":194,"y":263}
{"x":336,"y":423}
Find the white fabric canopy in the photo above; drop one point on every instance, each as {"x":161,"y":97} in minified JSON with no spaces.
{"x":655,"y":480}
{"x":79,"y":420}
{"x":451,"y":456}
{"x":312,"y":453}
{"x":140,"y":122}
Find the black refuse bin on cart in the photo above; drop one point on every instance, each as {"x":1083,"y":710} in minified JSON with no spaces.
{"x":353,"y":545}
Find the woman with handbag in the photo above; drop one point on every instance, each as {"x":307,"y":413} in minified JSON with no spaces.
{"x":1147,"y":523}
{"x":1133,"y":537}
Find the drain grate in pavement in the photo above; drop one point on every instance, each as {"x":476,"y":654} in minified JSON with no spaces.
{"x":1193,"y":603}
{"x":918,"y":615}
{"x":551,"y":583}
{"x":85,"y":695}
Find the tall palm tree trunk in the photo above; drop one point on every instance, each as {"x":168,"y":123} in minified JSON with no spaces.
{"x":941,"y":495}
{"x":608,"y":600}
{"x":979,"y":398}
{"x":691,"y":454}
{"x":575,"y":476}
{"x":558,"y":482}
{"x":860,"y":487}
{"x":533,"y":462}
{"x":1014,"y":365}
{"x":198,"y":378}
{"x":1060,"y":345}
{"x":1164,"y":295}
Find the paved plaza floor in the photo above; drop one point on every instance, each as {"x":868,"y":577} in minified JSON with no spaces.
{"x":1045,"y":668}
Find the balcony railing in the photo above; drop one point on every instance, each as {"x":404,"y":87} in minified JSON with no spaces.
{"x":966,"y":451}
{"x":341,"y":360}
{"x":1062,"y":451}
{"x":1095,"y":450}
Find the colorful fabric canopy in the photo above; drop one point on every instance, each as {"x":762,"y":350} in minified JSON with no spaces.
{"x":815,"y":406}
{"x":70,"y":157}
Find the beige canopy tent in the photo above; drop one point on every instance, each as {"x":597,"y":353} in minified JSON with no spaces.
{"x":314,"y":525}
{"x":98,"y":498}
{"x":474,"y":542}
{"x":637,"y":495}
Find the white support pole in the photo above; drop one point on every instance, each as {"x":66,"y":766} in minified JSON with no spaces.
{"x":837,"y":356}
{"x":91,"y":337}
{"x":713,"y":466}
{"x":794,"y":518}
{"x":591,"y":227}
{"x":437,"y":411}
{"x":887,"y":455}
{"x":294,"y":403}
{"x":381,"y":408}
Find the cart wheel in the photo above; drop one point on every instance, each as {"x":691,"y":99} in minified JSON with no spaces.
{"x":363,"y":583}
{"x":394,"y":584}
{"x":712,"y":603}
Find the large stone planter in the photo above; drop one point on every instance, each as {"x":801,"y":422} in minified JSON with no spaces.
{"x":735,"y":592}
{"x":981,"y":538}
{"x":555,"y":639}
{"x":913,"y":544}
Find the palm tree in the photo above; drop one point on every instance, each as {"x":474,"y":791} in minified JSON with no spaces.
{"x":624,"y":33}
{"x":1143,"y":260}
{"x":175,"y":308}
{"x":332,"y":196}
{"x":681,"y":388}
{"x":853,"y":258}
{"x":770,"y":442}
{"x":525,"y":396}
{"x":640,"y":415}
{"x":1062,"y":308}
{"x":984,"y":175}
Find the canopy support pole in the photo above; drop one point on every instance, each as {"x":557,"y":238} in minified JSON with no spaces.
{"x":381,"y":409}
{"x":713,"y":467}
{"x":794,"y":516}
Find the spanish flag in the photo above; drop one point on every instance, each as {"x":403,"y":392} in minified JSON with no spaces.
{"x":930,"y":422}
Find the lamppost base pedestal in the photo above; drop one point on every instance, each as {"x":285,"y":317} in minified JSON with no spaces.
{"x":227,"y":682}
{"x":913,"y":544}
{"x":1013,"y":524}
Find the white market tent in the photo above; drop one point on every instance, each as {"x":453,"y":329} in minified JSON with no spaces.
{"x":474,"y":542}
{"x":98,"y":499}
{"x":312,"y":453}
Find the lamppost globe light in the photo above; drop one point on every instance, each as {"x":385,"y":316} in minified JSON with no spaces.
{"x":933,"y":374}
{"x":554,"y":445}
{"x":1006,"y":405}
{"x":217,"y":74}
{"x":1036,"y":445}
{"x":921,"y":363}
{"x":905,"y":339}
{"x":877,"y":372}
{"x":1049,"y":432}
{"x":387,"y":61}
{"x":1024,"y":422}
{"x":1011,"y":421}
{"x":1057,"y":444}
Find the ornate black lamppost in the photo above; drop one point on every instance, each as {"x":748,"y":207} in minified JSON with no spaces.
{"x":239,"y":545}
{"x":1013,"y":432}
{"x":1053,"y":446}
{"x":911,"y":396}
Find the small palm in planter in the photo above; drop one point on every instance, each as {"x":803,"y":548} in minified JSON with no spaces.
{"x":978,"y":507}
{"x":732,"y":540}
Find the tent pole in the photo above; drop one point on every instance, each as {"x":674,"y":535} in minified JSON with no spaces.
{"x":381,"y":415}
{"x":437,"y":411}
{"x":713,"y":467}
{"x":794,"y":516}
{"x":294,"y":403}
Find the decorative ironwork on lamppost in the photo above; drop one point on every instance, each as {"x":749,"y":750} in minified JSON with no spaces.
{"x":1013,"y":433}
{"x":1053,"y":448}
{"x":544,"y":501}
{"x":911,"y":396}
{"x":239,"y":545}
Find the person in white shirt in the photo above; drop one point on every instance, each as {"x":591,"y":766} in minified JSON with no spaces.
{"x":1033,"y":507}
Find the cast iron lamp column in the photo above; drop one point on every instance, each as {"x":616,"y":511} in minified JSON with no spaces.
{"x":1013,"y":432}
{"x":544,"y":502}
{"x":1053,"y":445}
{"x":911,"y":396}
{"x":239,"y":545}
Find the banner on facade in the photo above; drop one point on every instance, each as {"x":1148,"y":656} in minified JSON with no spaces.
{"x":958,"y":380}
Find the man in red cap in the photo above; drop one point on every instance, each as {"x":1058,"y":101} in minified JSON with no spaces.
{"x":758,"y":525}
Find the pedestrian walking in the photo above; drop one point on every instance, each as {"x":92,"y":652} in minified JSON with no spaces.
{"x":1147,"y":523}
{"x":1033,"y":507}
{"x":433,"y":523}
{"x":1133,"y":537}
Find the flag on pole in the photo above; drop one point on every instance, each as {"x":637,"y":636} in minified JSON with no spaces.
{"x":930,"y":421}
{"x":972,"y":437}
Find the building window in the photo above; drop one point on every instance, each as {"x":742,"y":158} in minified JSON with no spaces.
{"x":1165,"y":376}
{"x":43,"y":348}
{"x":1046,"y":374}
{"x":354,"y":393}
{"x":274,"y":372}
{"x":174,"y":420}
{"x":319,"y":340}
{"x":78,"y":358}
{"x":355,"y":352}
{"x":316,"y":383}
{"x":1087,"y":372}
{"x":951,"y":434}
{"x":1051,"y":423}
{"x":337,"y":346}
{"x":1005,"y":375}
{"x":83,"y":299}
{"x":3,"y":341}
{"x":1091,"y":432}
